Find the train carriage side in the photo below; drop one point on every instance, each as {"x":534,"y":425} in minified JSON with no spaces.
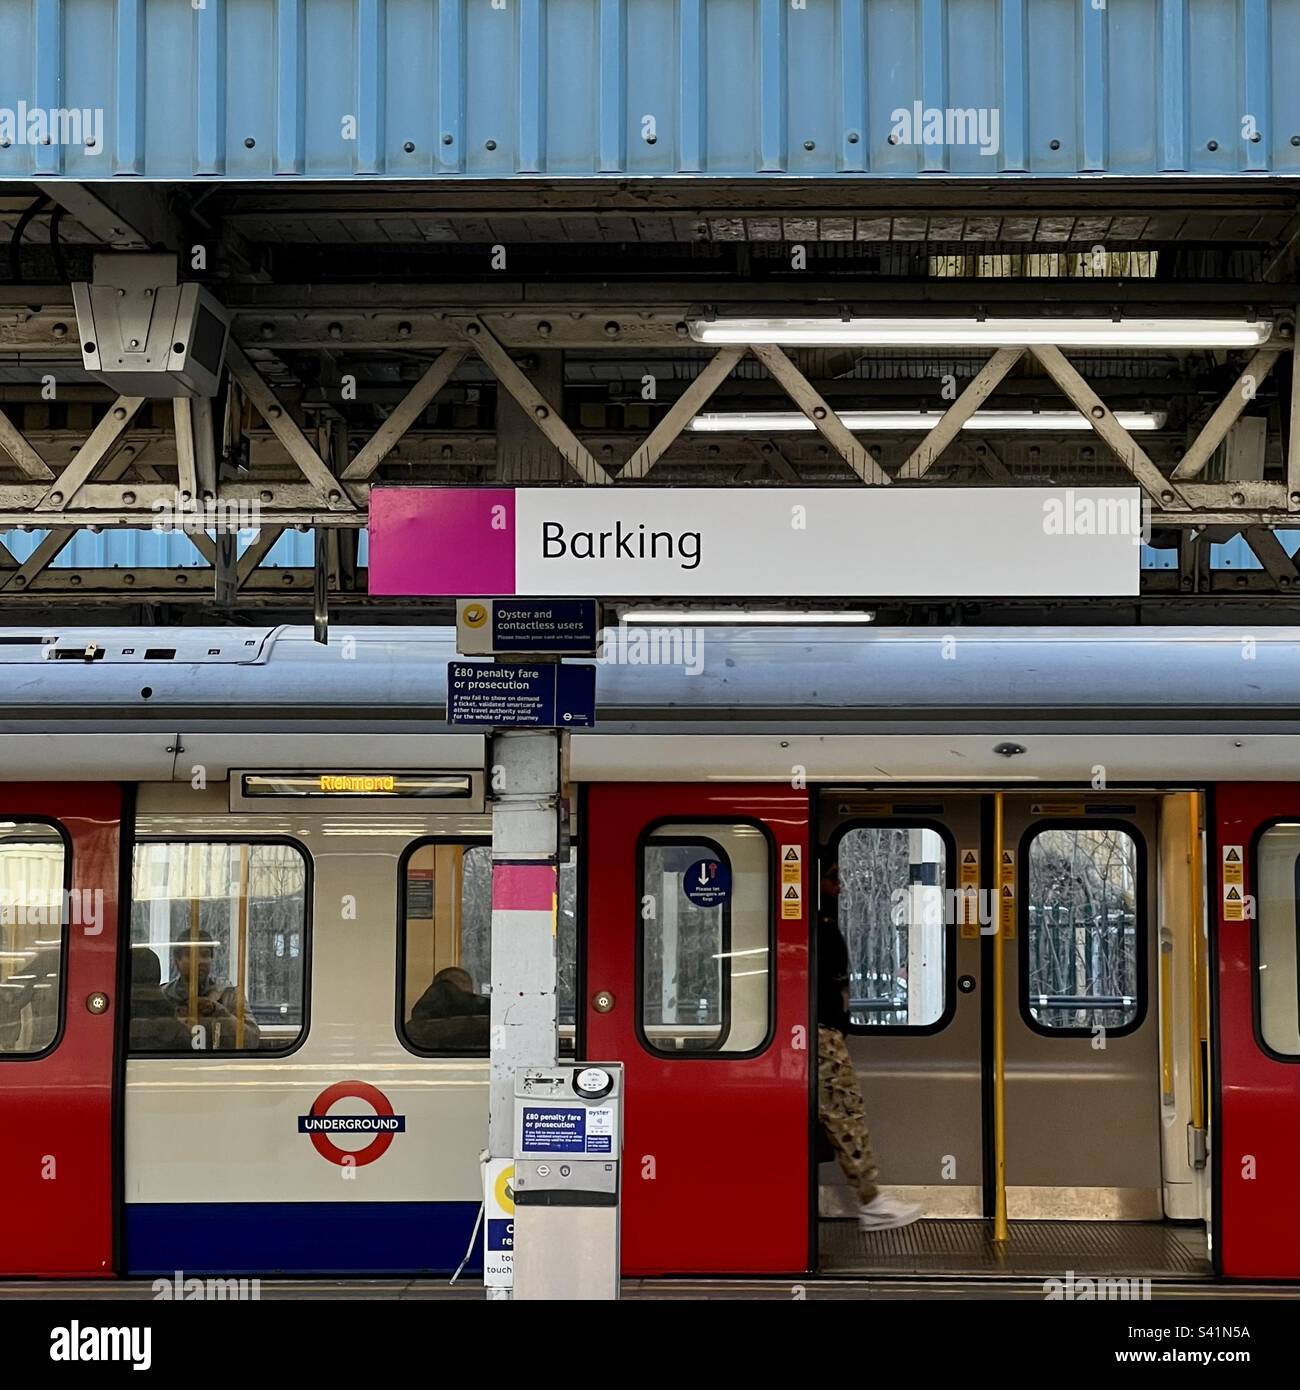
{"x":242,"y":990}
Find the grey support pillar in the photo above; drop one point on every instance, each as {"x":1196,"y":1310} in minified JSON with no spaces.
{"x":925,"y":936}
{"x":525,"y":777}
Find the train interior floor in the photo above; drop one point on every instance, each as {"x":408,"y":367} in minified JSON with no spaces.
{"x":1134,"y":1249}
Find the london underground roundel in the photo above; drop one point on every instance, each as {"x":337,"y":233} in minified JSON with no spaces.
{"x":319,"y":1124}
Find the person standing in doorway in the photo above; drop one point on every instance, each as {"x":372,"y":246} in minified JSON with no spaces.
{"x":840,"y":1107}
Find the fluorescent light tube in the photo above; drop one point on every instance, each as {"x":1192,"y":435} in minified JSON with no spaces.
{"x":965,"y":332}
{"x":739,"y":616}
{"x":917,"y":421}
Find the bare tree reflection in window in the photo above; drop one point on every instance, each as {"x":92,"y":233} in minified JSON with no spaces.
{"x":1082,"y":915}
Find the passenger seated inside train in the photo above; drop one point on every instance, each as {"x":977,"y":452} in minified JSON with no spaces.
{"x":449,"y":1016}
{"x":29,"y":1002}
{"x":154,"y":1024}
{"x":841,"y":1111}
{"x":201,"y":1000}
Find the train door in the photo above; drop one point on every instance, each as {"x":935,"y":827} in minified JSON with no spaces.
{"x":915,"y":998}
{"x":696,"y":979}
{"x":1255,"y":904}
{"x":58,"y":1002}
{"x":1083,"y":1117}
{"x":1097,"y":1117}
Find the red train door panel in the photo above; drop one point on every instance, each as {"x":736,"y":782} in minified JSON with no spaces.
{"x":58,"y":947}
{"x":1257,"y":864}
{"x":697,"y":980}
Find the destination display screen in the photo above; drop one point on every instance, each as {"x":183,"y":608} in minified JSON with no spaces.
{"x":441,"y":785}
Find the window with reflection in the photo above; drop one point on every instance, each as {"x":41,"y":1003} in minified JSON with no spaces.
{"x":894,"y":918}
{"x":1082,"y":929}
{"x":1278,"y":935}
{"x":35,"y":908}
{"x":706,"y":926}
{"x":446,"y":916}
{"x":218,"y":946}
{"x":447,"y":948}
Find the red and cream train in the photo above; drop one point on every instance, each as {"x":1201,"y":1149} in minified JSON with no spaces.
{"x":235,"y":865}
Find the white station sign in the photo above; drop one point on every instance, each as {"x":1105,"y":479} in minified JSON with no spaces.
{"x":756,"y":543}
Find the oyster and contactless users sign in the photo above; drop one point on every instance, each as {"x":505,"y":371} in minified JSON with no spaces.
{"x":529,"y":626}
{"x":757,"y":543}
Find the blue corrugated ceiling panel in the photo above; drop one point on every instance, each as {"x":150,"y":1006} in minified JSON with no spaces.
{"x":1237,"y":555}
{"x":499,"y":89}
{"x":135,"y":549}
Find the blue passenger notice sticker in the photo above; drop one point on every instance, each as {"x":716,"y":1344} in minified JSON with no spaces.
{"x":707,"y":883}
{"x":550,"y":696}
{"x":571,"y":1129}
{"x":551,"y":1131}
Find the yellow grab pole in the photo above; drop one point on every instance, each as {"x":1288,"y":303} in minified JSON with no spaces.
{"x":1001,"y":1231}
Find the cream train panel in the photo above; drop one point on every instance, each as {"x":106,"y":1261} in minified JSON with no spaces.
{"x":216,"y":1164}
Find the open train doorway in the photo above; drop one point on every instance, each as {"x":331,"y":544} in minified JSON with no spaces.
{"x":1096,"y":901}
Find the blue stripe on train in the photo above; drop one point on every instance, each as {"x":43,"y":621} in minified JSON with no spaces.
{"x":301,"y":1237}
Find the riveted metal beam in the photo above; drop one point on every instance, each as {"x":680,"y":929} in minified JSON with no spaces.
{"x":13,"y":442}
{"x":829,"y":425}
{"x":286,"y":430}
{"x":1228,"y":413}
{"x":413,"y":405}
{"x":954,"y":418}
{"x":681,"y":412}
{"x":106,"y":434}
{"x":1129,"y":452}
{"x":543,"y":412}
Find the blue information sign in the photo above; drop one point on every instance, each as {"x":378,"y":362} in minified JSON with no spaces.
{"x":553,"y":1130}
{"x":707,"y":883}
{"x":500,"y":1234}
{"x":567,"y":1129}
{"x":544,"y":625}
{"x":555,"y":696}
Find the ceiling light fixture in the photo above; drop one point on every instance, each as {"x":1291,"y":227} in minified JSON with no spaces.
{"x":740,"y":617}
{"x":918,"y":421}
{"x":988,"y":332}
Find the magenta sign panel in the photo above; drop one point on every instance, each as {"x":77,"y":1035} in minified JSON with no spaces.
{"x":442,"y":540}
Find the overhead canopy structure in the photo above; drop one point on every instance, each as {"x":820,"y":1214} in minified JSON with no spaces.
{"x":615,"y":180}
{"x":608,"y":89}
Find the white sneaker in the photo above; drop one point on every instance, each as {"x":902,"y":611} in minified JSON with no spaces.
{"x":885,"y":1213}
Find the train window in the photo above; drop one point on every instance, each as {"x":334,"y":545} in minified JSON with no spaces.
{"x":706,"y":927}
{"x":218,"y":946}
{"x":33,"y":928}
{"x":1278,"y":939}
{"x":446,"y":913}
{"x":1081,"y":967}
{"x":446,"y":951}
{"x":892,"y":918}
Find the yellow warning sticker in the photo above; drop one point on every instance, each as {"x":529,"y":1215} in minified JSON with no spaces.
{"x":791,"y":903}
{"x":792,"y":864}
{"x":969,"y":879}
{"x":1007,"y":894}
{"x":1007,"y":867}
{"x":1234,"y":865}
{"x":1007,"y":912}
{"x":1233,"y":904}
